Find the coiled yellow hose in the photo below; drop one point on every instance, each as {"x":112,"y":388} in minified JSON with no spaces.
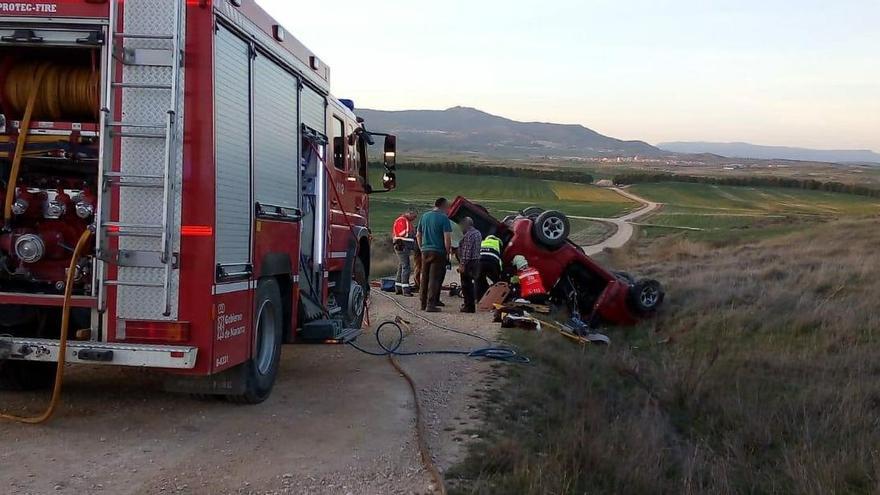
{"x":65,"y":93}
{"x":20,"y":142}
{"x":62,"y":346}
{"x":44,"y":90}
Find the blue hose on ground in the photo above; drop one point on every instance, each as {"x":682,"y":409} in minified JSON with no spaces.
{"x":499,"y":353}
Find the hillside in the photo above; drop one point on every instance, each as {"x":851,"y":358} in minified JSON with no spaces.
{"x":759,"y":376}
{"x":746,"y":150}
{"x":468,"y":130}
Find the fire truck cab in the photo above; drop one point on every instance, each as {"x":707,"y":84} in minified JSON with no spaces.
{"x":226,"y":191}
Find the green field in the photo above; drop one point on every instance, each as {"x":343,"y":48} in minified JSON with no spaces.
{"x":501,"y":195}
{"x":742,"y":213}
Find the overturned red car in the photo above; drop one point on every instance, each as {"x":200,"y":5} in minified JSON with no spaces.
{"x":575,"y":281}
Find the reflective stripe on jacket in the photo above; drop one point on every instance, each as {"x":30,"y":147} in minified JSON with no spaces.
{"x":402,"y":229}
{"x":491,"y":247}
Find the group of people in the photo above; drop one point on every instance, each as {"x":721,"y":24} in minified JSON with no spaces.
{"x":430,"y":244}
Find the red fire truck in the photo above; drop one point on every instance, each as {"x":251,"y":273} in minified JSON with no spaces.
{"x":225,"y":190}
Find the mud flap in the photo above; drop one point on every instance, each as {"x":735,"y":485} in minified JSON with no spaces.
{"x":230,"y":382}
{"x":5,"y":347}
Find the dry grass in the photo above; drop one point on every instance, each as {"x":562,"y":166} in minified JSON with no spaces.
{"x":762,"y":375}
{"x":383,"y":260}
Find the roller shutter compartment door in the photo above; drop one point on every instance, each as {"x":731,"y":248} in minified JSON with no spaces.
{"x":276,"y":135}
{"x":314,"y":110}
{"x":232,"y":143}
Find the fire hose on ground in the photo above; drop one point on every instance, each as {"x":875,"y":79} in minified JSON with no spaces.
{"x":500,"y":353}
{"x":62,"y":345}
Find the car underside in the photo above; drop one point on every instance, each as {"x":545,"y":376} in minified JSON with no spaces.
{"x":576,"y":283}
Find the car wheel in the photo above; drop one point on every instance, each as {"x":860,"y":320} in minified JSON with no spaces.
{"x":262,"y":369}
{"x":647,"y":295}
{"x":532,"y":212}
{"x":551,"y":229}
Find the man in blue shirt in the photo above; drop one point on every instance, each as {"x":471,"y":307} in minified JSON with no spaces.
{"x":434,"y":236}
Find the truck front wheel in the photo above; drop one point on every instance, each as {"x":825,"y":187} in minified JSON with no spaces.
{"x":357,"y":296}
{"x":262,"y":369}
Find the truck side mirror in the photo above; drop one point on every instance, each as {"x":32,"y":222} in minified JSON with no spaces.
{"x":390,"y":160}
{"x":389,"y":181}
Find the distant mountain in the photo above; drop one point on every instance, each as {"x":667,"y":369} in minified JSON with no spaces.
{"x":468,"y":130}
{"x":746,"y":150}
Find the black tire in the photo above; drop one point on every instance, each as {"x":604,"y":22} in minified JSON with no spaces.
{"x":532,"y":212}
{"x":26,"y":375}
{"x":551,"y":229}
{"x":28,"y":322}
{"x":647,"y":295}
{"x":355,"y":304}
{"x":262,"y":369}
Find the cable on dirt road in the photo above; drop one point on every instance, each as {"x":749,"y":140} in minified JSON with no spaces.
{"x":391,"y":350}
{"x":434,"y":323}
{"x":421,"y":436}
{"x":499,"y":353}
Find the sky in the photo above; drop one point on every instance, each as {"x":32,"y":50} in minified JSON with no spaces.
{"x":795,"y":72}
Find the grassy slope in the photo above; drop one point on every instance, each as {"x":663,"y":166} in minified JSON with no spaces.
{"x":759,"y":376}
{"x":745,"y":213}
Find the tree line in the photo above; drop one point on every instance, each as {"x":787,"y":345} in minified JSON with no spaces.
{"x":753,"y":181}
{"x":639,"y":177}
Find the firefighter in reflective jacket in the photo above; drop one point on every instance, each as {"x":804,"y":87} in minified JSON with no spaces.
{"x":490,"y":264}
{"x":404,"y":239}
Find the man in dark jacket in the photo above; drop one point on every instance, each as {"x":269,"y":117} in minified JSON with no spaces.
{"x":469,"y":263}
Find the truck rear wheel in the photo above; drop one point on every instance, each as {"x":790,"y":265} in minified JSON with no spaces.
{"x":28,"y":322}
{"x":262,"y":369}
{"x":25,"y":375}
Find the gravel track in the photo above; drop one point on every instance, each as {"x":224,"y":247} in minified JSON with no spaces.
{"x":338,"y":421}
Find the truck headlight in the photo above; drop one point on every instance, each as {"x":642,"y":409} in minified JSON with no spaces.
{"x":30,"y":248}
{"x":84,"y":210}
{"x":20,"y":206}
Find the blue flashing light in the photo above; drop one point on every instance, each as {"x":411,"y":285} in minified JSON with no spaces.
{"x":348,"y":104}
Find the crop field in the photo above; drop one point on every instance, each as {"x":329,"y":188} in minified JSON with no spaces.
{"x":728,"y":212}
{"x":501,"y":195}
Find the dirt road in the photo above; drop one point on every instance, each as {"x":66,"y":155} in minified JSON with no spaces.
{"x":624,"y":226}
{"x":338,"y":422}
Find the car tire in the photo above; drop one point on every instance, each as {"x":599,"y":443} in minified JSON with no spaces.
{"x":551,"y":229}
{"x":647,"y":295}
{"x":262,"y":369}
{"x":18,"y":376}
{"x":532,"y":212}
{"x":355,"y":309}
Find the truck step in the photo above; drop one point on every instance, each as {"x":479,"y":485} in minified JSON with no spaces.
{"x":328,"y":332}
